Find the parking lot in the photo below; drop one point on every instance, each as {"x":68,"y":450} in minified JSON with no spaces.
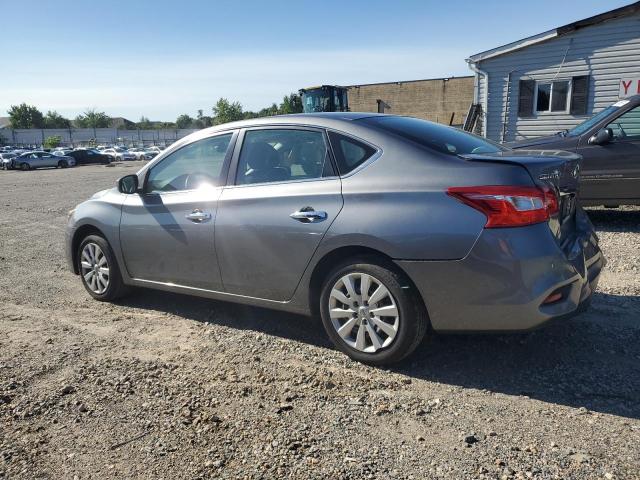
{"x":164,"y":385}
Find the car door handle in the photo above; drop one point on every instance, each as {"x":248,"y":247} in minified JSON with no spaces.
{"x":198,"y":216}
{"x":308,"y":215}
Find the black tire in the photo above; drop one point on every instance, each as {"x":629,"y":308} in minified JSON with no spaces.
{"x":25,"y":166}
{"x":116,"y":287}
{"x":413,"y":318}
{"x":63,"y":164}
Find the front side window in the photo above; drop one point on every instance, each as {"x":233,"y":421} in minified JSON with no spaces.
{"x":280,"y":155}
{"x":199,"y":164}
{"x":627,"y":125}
{"x":552,"y":96}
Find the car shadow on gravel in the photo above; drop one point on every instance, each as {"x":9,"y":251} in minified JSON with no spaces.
{"x":589,"y":361}
{"x":615,"y":220}
{"x":241,"y":317}
{"x":581,"y":362}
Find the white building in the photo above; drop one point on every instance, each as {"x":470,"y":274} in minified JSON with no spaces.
{"x":554,"y":80}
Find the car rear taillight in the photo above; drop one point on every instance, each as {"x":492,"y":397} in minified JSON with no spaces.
{"x":509,"y":206}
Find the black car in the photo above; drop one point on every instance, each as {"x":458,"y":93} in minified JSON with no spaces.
{"x":609,"y":143}
{"x":87,"y":156}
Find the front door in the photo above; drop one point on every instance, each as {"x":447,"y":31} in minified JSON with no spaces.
{"x":612,"y":170}
{"x":167,"y":231}
{"x":275,"y":213}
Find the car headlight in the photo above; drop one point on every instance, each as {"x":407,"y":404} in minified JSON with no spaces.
{"x":71,"y":212}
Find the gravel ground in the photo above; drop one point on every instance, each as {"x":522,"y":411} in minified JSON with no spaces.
{"x":169,"y":386}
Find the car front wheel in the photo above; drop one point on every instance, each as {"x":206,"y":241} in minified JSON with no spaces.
{"x":63,"y":164}
{"x":371,"y":312}
{"x":99,"y":270}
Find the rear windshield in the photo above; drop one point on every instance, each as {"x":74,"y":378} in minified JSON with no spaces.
{"x":435,"y":136}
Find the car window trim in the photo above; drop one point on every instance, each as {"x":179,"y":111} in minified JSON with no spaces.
{"x":225,"y":165}
{"x":606,"y":121}
{"x":231,"y":176}
{"x":377,"y":154}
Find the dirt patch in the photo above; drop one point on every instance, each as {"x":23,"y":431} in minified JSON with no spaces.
{"x":168,"y":386}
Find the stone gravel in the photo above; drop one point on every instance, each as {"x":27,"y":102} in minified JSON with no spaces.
{"x":168,"y":386}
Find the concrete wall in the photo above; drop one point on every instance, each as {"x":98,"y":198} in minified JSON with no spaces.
{"x":606,"y":52}
{"x":82,"y":136}
{"x":434,"y":99}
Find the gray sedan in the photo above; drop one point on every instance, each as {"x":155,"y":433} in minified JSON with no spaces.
{"x":33,"y":160}
{"x":387,"y":227}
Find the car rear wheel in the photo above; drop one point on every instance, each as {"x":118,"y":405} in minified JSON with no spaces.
{"x":25,"y":166}
{"x":63,"y":164}
{"x":371,"y":312}
{"x":99,"y":270}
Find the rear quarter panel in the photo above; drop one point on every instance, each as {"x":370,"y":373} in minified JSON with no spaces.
{"x":398,"y":204}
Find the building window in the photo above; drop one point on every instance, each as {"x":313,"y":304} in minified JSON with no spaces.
{"x":552,"y":96}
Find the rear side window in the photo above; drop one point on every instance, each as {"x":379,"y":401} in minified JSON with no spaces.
{"x":435,"y":136}
{"x":349,"y":153}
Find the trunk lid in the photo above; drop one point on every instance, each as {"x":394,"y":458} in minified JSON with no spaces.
{"x":559,"y":170}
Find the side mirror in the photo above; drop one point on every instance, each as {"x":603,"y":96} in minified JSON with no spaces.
{"x":603,"y":136}
{"x":128,"y":184}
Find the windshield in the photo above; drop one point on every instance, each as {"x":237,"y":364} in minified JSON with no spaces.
{"x":435,"y":136}
{"x":591,"y":122}
{"x":316,"y":100}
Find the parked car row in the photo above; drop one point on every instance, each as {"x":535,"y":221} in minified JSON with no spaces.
{"x":28,"y":159}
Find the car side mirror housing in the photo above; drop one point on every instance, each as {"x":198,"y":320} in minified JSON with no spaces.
{"x":128,"y":184}
{"x":603,"y":136}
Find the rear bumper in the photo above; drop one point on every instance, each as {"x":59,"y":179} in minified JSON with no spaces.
{"x":502,"y":284}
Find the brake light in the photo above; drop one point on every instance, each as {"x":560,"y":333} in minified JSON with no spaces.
{"x":509,"y":206}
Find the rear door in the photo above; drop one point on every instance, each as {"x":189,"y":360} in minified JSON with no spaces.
{"x":281,"y":198}
{"x":612,"y":170}
{"x":49,"y":160}
{"x":36,"y":160}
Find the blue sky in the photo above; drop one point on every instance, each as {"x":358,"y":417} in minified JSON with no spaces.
{"x":163,"y":58}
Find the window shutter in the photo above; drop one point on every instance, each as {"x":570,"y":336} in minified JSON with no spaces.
{"x":580,"y":95}
{"x":525,"y":98}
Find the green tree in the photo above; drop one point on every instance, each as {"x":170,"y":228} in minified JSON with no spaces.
{"x":25,"y":116}
{"x":291,"y":103}
{"x":93,"y":119}
{"x":145,"y":123}
{"x":184,"y":121}
{"x":269,"y":111}
{"x":54,"y":120}
{"x":52,"y":142}
{"x":225,"y":111}
{"x":202,"y":120}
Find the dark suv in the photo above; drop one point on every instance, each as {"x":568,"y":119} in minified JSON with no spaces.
{"x":86,"y":156}
{"x":609,"y":142}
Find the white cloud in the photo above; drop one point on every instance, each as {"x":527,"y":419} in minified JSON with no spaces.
{"x":162,"y":89}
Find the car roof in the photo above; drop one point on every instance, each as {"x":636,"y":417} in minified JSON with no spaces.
{"x":321,"y":119}
{"x":634,"y":99}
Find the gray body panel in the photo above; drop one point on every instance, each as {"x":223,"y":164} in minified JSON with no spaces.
{"x":155,"y":227}
{"x":394,"y":204}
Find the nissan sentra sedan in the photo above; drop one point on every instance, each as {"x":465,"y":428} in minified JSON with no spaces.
{"x":37,"y":159}
{"x":387,"y":227}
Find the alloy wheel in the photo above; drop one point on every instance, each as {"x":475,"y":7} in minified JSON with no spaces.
{"x":95,"y":268}
{"x":363,"y":312}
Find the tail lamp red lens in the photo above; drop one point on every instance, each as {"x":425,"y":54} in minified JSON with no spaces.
{"x":509,"y":206}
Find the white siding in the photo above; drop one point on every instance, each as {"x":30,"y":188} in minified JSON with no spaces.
{"x":606,"y":52}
